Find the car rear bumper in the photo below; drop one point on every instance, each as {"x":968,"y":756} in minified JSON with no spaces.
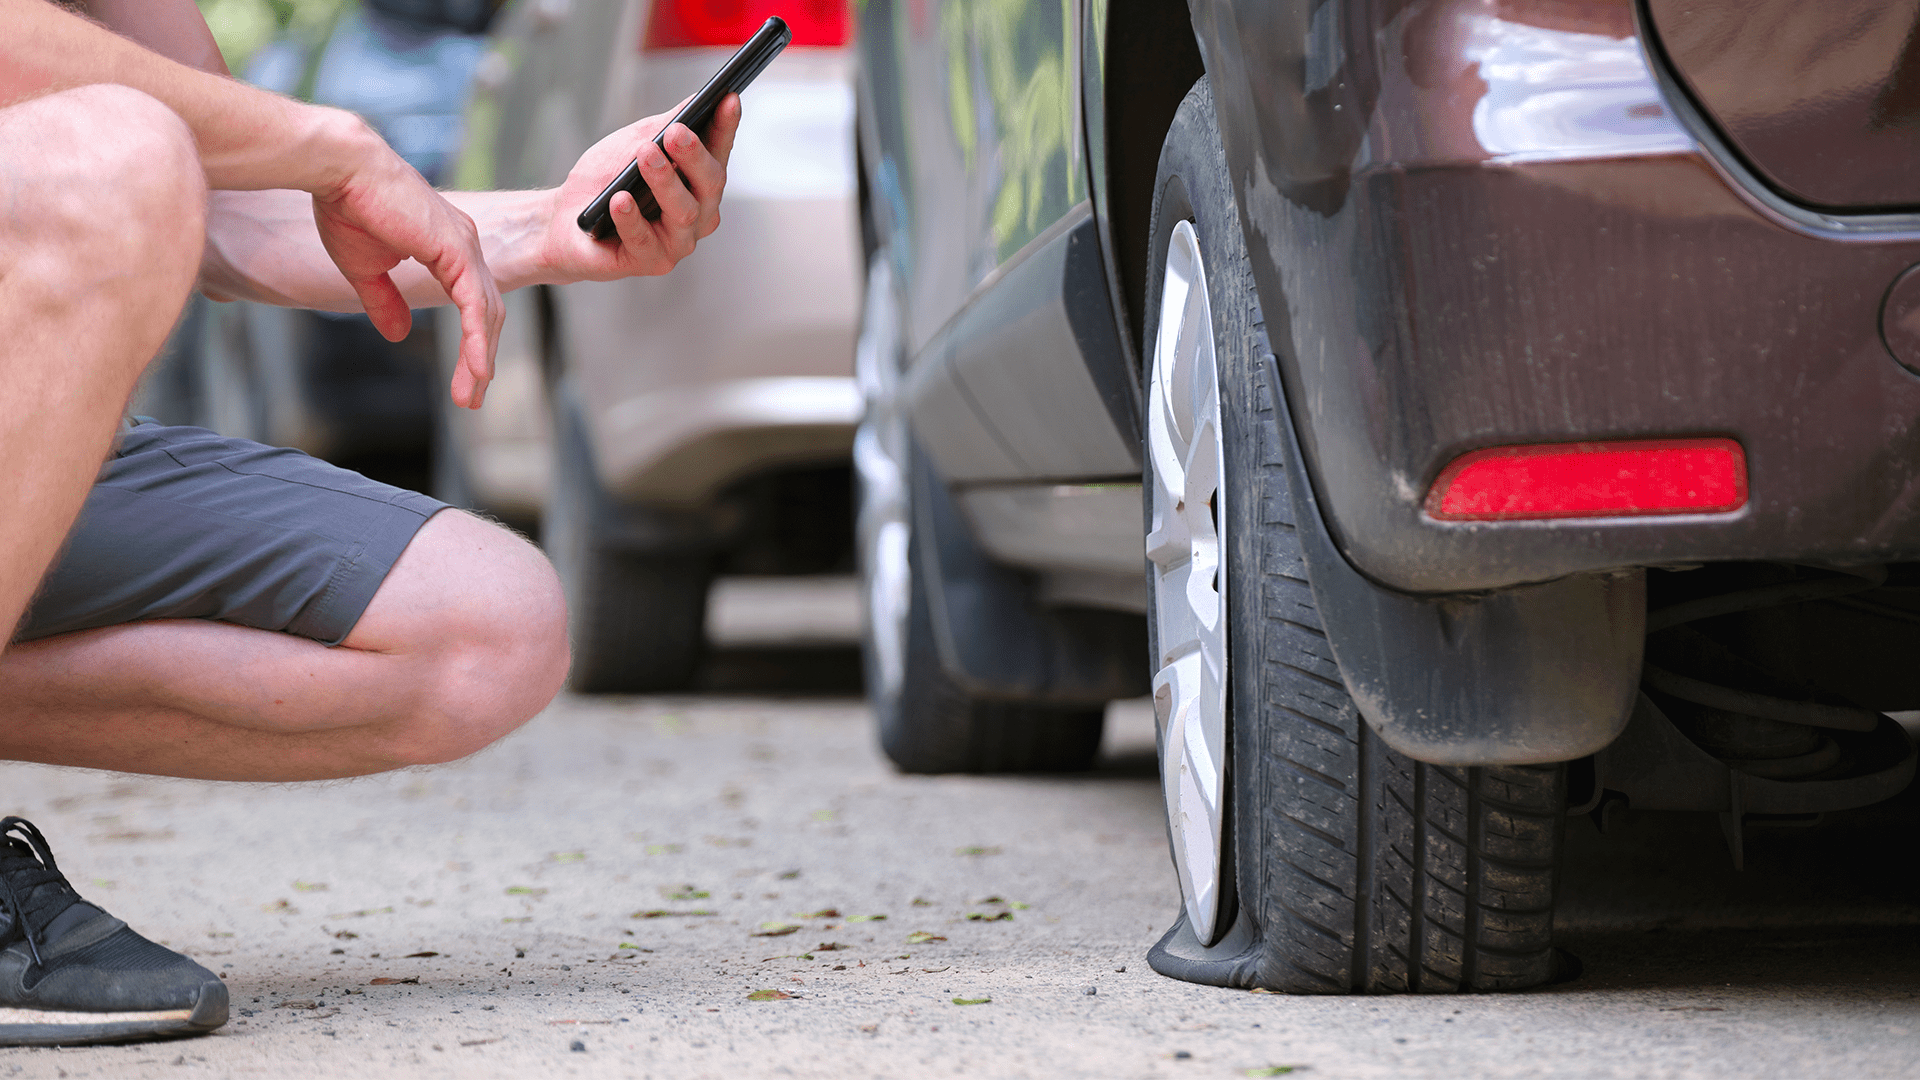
{"x":755,"y":330}
{"x":1545,"y":255}
{"x":1622,"y":299}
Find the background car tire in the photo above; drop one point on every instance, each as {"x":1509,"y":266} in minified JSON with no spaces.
{"x":637,"y":620}
{"x":928,"y":722}
{"x":1361,"y":870}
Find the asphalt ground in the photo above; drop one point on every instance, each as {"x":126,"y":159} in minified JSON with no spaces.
{"x":735,"y":884}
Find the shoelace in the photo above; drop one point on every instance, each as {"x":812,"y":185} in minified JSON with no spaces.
{"x":31,"y":884}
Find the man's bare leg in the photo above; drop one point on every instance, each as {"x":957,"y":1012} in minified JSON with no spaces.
{"x":464,"y":641}
{"x":102,"y":218}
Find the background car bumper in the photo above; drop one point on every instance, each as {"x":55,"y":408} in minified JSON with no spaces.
{"x":756,"y":329}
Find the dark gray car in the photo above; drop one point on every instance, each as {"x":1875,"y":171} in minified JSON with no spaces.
{"x":1457,"y":416}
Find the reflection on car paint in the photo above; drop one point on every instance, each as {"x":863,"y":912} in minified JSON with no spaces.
{"x":1555,"y":94}
{"x":1011,"y":97}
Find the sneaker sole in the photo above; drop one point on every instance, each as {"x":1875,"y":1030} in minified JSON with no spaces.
{"x":47,"y":1027}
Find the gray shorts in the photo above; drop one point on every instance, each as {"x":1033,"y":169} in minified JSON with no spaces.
{"x":186,"y":524}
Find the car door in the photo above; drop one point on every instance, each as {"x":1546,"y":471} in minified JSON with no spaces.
{"x":979,"y":193}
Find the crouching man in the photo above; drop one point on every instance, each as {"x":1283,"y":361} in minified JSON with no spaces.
{"x":207,"y":607}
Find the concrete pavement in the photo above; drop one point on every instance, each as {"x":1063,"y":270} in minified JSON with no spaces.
{"x":609,"y":892}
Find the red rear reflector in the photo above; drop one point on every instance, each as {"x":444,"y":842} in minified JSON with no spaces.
{"x":690,"y":24}
{"x":1612,"y":479}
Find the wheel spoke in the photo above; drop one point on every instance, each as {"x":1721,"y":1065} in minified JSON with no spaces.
{"x":1185,"y":548}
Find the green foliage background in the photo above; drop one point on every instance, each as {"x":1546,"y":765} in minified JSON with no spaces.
{"x":243,"y":26}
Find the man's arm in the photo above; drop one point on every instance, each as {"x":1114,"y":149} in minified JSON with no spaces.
{"x":259,"y":248}
{"x":261,"y":244}
{"x":172,"y":28}
{"x":248,"y":138}
{"x":372,"y":211}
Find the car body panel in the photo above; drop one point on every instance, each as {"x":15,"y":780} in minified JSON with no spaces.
{"x":1013,"y":360}
{"x":979,"y":101}
{"x":768,"y":296}
{"x":1837,"y":128}
{"x":1044,"y":526}
{"x":1493,"y":322}
{"x":1014,"y":368}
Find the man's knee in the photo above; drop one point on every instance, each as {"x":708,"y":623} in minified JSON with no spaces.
{"x":482,"y":612}
{"x":114,"y":180}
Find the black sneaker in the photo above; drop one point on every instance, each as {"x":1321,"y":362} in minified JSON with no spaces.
{"x":71,"y":973}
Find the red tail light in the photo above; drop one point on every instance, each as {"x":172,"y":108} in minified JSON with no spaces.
{"x":692,"y":24}
{"x":1614,"y":479}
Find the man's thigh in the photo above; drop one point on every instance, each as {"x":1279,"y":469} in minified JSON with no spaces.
{"x":102,"y":221}
{"x":184,"y":523}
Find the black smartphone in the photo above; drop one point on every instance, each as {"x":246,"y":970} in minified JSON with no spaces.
{"x":733,"y":77}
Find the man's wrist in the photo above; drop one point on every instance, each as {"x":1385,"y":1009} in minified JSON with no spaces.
{"x":338,"y":147}
{"x":516,"y":230}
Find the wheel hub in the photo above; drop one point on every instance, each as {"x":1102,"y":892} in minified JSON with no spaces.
{"x":879,"y":459}
{"x":1187,"y":557}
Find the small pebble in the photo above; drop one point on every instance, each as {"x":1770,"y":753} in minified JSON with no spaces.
{"x":1090,"y":990}
{"x":1181,"y":1055}
{"x":566,"y":967}
{"x":1122,"y":967}
{"x":578,"y":1047}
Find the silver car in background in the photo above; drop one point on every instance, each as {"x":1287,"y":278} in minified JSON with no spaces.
{"x":667,"y":429}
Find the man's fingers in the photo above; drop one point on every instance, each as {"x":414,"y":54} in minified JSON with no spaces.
{"x":385,"y":306}
{"x":726,"y":124}
{"x":705,"y":176}
{"x":635,"y":231}
{"x":465,"y":393}
{"x":481,"y":314}
{"x":679,"y":209}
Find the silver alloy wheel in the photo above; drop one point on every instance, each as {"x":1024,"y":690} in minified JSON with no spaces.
{"x":1185,"y":550}
{"x":879,"y":457}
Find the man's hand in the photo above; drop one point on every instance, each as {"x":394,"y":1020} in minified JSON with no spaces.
{"x":689,"y":211}
{"x":378,"y":223}
{"x":385,"y":213}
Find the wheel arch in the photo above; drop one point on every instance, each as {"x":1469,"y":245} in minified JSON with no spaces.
{"x":1536,"y":673}
{"x":1154,"y":44}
